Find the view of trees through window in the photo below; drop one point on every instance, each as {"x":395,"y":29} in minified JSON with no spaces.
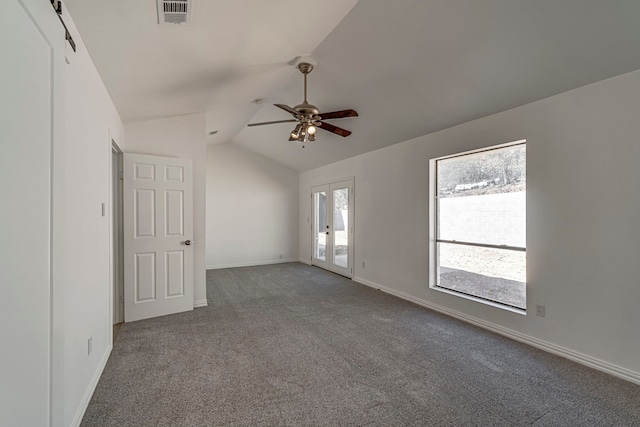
{"x":481,"y":224}
{"x":503,"y":168}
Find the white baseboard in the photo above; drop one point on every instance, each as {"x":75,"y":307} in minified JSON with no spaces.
{"x":200,"y":303}
{"x":581,"y":358}
{"x":250,"y":263}
{"x":305,"y":261}
{"x":77,"y":419}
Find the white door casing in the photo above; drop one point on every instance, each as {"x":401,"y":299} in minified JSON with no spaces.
{"x":158,"y":236}
{"x":117,"y":235}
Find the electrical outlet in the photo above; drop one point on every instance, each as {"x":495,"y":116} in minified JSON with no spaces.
{"x":539,"y":310}
{"x":362,"y":264}
{"x":280,"y":256}
{"x":89,"y":346}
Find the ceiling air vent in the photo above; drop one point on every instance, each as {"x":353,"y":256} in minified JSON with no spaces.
{"x":174,"y":11}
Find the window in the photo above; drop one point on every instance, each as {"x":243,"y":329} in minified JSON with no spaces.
{"x":480,"y":225}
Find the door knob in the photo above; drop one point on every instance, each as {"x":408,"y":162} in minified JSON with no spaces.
{"x":187,"y":242}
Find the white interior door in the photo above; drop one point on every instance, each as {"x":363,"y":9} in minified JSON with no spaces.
{"x":31,"y":214}
{"x":332,"y":228}
{"x":158,"y":236}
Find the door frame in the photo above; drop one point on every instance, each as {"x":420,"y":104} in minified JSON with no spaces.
{"x":328,"y":264}
{"x":117,"y":234}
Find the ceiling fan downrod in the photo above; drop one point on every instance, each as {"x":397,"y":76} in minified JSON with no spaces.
{"x":305,"y":68}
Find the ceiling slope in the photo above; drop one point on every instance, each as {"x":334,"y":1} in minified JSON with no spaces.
{"x":414,"y":67}
{"x":231,"y":52}
{"x":409,"y":67}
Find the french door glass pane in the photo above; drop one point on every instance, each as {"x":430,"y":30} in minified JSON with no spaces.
{"x":320,"y":225}
{"x":341,"y":227}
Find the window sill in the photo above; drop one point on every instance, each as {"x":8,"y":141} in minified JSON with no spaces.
{"x":480,"y":300}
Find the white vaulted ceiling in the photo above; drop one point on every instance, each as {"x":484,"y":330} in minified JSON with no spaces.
{"x":408,"y":67}
{"x":232,"y":52}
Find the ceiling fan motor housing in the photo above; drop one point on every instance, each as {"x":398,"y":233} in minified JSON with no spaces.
{"x":307,"y":110}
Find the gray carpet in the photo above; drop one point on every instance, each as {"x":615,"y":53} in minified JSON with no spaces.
{"x":291,"y":344}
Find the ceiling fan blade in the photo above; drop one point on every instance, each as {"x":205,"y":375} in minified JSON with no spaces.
{"x":270,"y":123}
{"x":334,"y":129}
{"x":339,"y":114}
{"x":287,"y":109}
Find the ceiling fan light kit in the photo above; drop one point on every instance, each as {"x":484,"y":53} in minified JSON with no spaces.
{"x":308,"y":116}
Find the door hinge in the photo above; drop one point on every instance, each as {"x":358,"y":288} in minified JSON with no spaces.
{"x":121,"y":175}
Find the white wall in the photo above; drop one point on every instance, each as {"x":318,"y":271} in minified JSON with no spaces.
{"x":184,"y":137}
{"x":583,"y":205}
{"x":252,"y":209}
{"x":91,"y":121}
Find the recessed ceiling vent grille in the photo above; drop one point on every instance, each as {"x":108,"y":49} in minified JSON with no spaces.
{"x":174,"y":11}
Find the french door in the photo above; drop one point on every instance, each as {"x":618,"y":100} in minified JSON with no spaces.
{"x":332,"y":227}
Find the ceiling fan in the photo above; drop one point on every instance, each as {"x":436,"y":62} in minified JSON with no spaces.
{"x":308,"y":116}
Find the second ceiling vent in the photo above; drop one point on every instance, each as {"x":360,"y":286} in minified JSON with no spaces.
{"x":174,"y":11}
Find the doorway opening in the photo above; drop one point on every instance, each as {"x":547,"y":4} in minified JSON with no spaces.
{"x":117,"y":238}
{"x":332,"y":227}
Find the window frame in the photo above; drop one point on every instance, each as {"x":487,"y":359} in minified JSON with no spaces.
{"x":434,"y":238}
